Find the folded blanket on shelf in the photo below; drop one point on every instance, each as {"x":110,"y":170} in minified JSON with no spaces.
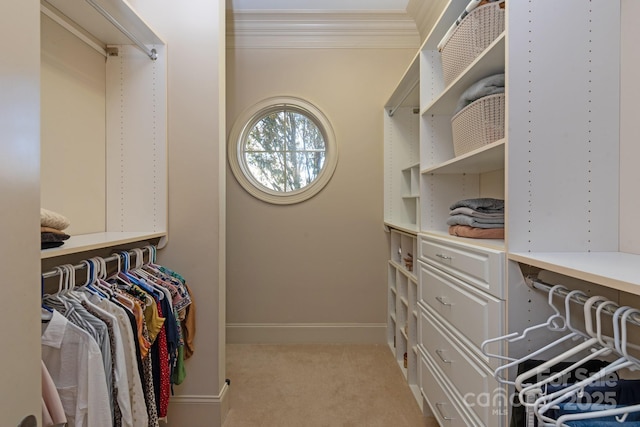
{"x":53,"y":237}
{"x":476,"y":214}
{"x":481,"y":204}
{"x":475,"y":222}
{"x":490,"y":85}
{"x":476,"y":233}
{"x":53,"y":219}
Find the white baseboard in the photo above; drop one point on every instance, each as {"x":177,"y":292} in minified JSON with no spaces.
{"x":306,"y":333}
{"x":199,"y":410}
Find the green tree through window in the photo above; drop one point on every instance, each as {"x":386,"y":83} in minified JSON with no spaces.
{"x":285,"y":151}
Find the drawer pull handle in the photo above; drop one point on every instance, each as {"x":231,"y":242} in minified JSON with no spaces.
{"x":445,"y":257}
{"x":442,"y":414}
{"x":443,"y":302}
{"x":444,"y":359}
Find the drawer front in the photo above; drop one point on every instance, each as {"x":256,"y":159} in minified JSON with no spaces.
{"x":476,"y":315}
{"x":472,"y":379}
{"x":480,"y":267}
{"x":433,"y":389}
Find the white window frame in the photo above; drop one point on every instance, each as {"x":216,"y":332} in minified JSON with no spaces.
{"x":247,"y":120}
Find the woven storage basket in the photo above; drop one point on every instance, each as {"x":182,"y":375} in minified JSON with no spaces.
{"x":470,"y":38}
{"x":478,"y":124}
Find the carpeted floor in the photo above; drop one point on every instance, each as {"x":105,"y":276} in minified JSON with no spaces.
{"x":318,"y":386}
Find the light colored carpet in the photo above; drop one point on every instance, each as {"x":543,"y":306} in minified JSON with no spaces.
{"x":311,"y":385}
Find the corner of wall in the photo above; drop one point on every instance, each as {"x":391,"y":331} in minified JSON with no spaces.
{"x":199,"y":410}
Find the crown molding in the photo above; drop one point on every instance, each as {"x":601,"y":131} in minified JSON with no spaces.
{"x":316,"y":29}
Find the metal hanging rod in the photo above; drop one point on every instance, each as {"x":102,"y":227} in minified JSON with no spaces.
{"x":114,"y":257}
{"x":535,"y":283}
{"x":393,"y":110}
{"x":151,"y":53}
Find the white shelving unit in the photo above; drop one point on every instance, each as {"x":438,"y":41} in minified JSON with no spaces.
{"x":402,"y":319}
{"x":402,"y":154}
{"x":133,"y":200}
{"x":566,"y":169}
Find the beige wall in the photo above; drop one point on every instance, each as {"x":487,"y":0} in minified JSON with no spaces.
{"x":194,"y":33}
{"x":73,"y":109}
{"x":20,"y":394}
{"x":321,"y":262}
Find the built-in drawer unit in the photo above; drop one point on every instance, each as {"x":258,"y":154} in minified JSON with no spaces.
{"x":476,"y":315}
{"x":472,"y":379}
{"x":447,"y":410}
{"x":479,"y":266}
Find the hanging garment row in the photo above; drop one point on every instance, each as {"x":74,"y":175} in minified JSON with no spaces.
{"x":589,"y":379}
{"x":113,"y":346}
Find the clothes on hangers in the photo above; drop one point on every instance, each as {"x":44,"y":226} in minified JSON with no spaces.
{"x":52,"y":409}
{"x":132,"y":329}
{"x":518,"y":416}
{"x":565,"y":391}
{"x":74,"y":361}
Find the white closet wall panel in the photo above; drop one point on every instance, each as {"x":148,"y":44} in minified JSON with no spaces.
{"x":72,"y":129}
{"x":563,"y":139}
{"x":136,"y":141}
{"x":629,"y":147}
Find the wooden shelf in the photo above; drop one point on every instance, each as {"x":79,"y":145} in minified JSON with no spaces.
{"x":616,"y":270}
{"x":89,"y":19}
{"x":406,"y":227}
{"x":492,"y":61}
{"x":495,"y":244}
{"x":484,"y":159}
{"x":88,"y":242}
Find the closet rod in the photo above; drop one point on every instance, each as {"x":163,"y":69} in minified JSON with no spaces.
{"x":151,"y":53}
{"x":76,"y":267}
{"x":393,"y":110}
{"x":535,"y":283}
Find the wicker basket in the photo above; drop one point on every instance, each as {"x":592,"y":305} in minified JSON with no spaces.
{"x":478,"y":124}
{"x":470,"y":38}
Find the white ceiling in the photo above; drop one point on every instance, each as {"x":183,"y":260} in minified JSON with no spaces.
{"x":326,"y":5}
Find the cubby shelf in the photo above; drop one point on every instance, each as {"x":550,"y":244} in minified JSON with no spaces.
{"x":402,"y":322}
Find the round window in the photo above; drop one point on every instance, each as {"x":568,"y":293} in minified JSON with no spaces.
{"x":282,"y":150}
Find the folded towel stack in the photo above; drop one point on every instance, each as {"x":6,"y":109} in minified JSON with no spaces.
{"x":480,"y":218}
{"x":52,"y":226}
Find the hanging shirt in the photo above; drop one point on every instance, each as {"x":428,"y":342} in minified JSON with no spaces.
{"x":136,"y":393}
{"x":74,"y":362}
{"x":123,"y":400}
{"x":52,"y":409}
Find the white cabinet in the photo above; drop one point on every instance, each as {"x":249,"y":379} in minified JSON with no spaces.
{"x":104,"y":144}
{"x":457,"y":314}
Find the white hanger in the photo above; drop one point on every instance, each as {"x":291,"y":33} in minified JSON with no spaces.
{"x":574,"y":350}
{"x":566,"y":393}
{"x":604,"y":351}
{"x":555,"y":323}
{"x":622,"y":346}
